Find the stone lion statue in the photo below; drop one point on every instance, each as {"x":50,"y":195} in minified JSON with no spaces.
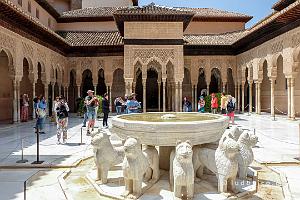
{"x":245,"y":157}
{"x":181,"y":169}
{"x":222,"y":162}
{"x":105,"y":154}
{"x":136,"y":164}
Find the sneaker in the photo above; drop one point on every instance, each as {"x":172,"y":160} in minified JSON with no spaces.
{"x":58,"y":142}
{"x":83,"y":125}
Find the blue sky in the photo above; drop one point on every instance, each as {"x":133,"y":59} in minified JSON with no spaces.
{"x":256,"y":8}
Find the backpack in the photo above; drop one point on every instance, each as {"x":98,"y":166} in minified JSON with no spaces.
{"x":230,"y":106}
{"x":62,"y":112}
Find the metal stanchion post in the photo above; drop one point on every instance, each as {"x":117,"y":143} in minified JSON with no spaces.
{"x":22,"y":157}
{"x":37,"y":148}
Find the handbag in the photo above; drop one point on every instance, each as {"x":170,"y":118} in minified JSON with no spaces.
{"x":41,"y":113}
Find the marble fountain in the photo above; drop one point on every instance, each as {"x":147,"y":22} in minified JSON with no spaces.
{"x":172,"y":156}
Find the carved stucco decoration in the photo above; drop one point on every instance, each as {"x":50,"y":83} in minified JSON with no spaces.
{"x":28,"y":50}
{"x":146,"y":54}
{"x":7,"y":42}
{"x":117,"y":64}
{"x":295,"y":40}
{"x":86,"y":64}
{"x":215,"y":63}
{"x":277,"y":46}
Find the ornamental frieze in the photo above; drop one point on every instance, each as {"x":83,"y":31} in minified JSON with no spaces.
{"x":7,"y":42}
{"x":86,"y":64}
{"x":145,"y":54}
{"x":28,"y":50}
{"x":296,"y":40}
{"x":215,"y":63}
{"x":277,"y":46}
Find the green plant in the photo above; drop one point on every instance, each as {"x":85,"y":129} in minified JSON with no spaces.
{"x":208,"y":102}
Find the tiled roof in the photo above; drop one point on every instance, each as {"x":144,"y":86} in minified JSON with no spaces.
{"x":152,"y":9}
{"x":211,"y":12}
{"x":214,"y":39}
{"x":91,"y":12}
{"x":78,"y":38}
{"x":281,"y":4}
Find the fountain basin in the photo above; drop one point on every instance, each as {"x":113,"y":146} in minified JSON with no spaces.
{"x":153,"y":129}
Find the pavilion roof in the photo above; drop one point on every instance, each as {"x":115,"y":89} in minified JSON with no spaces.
{"x":281,"y":4}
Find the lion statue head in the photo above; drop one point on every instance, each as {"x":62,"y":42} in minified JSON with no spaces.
{"x":100,"y":140}
{"x":230,"y":147}
{"x":132,"y":147}
{"x":184,"y":152}
{"x":248,"y":139}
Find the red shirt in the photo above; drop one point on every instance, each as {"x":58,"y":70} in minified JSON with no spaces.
{"x":214,"y":102}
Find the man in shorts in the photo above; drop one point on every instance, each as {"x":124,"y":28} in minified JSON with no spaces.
{"x":91,"y":103}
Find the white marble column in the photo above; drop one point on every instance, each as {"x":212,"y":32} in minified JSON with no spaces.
{"x":18,"y":101}
{"x":67,"y":93}
{"x":95,"y":89}
{"x":243,"y":96}
{"x":196,"y":98}
{"x":164,"y":95}
{"x":224,"y":87}
{"x":193,"y":98}
{"x":259,"y":98}
{"x":59,"y":90}
{"x":293,"y":98}
{"x":256,"y":98}
{"x":236,"y":94}
{"x":78,"y":91}
{"x":15,"y":101}
{"x":52,"y":94}
{"x":33,"y":95}
{"x":159,"y":85}
{"x":180,"y":96}
{"x":144,"y":95}
{"x":250,"y":96}
{"x":207,"y":89}
{"x":239,"y":97}
{"x":110,"y":98}
{"x":46,"y":93}
{"x":289,"y":97}
{"x":272,"y":80}
{"x":176,"y":97}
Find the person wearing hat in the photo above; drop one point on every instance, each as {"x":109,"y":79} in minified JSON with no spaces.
{"x":105,"y":110}
{"x":91,"y":103}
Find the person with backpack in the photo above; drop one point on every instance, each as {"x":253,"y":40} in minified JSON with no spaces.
{"x":105,"y":110}
{"x":230,"y":108}
{"x":62,"y":111}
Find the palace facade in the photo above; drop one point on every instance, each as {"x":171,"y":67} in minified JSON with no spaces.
{"x":65,"y":47}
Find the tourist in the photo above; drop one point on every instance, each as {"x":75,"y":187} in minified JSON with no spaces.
{"x":40,"y":106}
{"x":133,"y":105}
{"x":214,"y":103}
{"x":230,"y":108}
{"x":201,"y":105}
{"x":186,"y":105}
{"x":223,"y":103}
{"x":118,"y":105}
{"x":126,"y":100}
{"x":54,"y":106}
{"x":105,"y":110}
{"x":62,"y":110}
{"x":91,"y":102}
{"x":24,"y":108}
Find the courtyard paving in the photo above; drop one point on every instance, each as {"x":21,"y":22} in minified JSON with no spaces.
{"x":278,"y":147}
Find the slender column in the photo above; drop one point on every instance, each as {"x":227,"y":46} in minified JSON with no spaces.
{"x":196,"y":98}
{"x":164,"y":95}
{"x":250,"y":96}
{"x":59,"y":90}
{"x":33,"y":95}
{"x":236,"y":94}
{"x":259,"y":98}
{"x":243,"y":96}
{"x":46,"y":90}
{"x":133,"y":86}
{"x":272,"y":80}
{"x":207,"y":88}
{"x":159,"y":85}
{"x":293,"y":98}
{"x":15,"y":101}
{"x":52,"y":96}
{"x":78,"y":91}
{"x":256,"y":97}
{"x":95,"y":89}
{"x":176,"y":97}
{"x":144,"y":95}
{"x":239,"y":97}
{"x":67,"y":93}
{"x":193,"y":98}
{"x":224,"y":87}
{"x":180,"y":96}
{"x":18,"y":102}
{"x":110,"y":99}
{"x":289,"y":97}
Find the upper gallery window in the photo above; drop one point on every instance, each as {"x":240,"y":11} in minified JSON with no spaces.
{"x":20,"y":2}
{"x":37,"y":13}
{"x":29,"y":6}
